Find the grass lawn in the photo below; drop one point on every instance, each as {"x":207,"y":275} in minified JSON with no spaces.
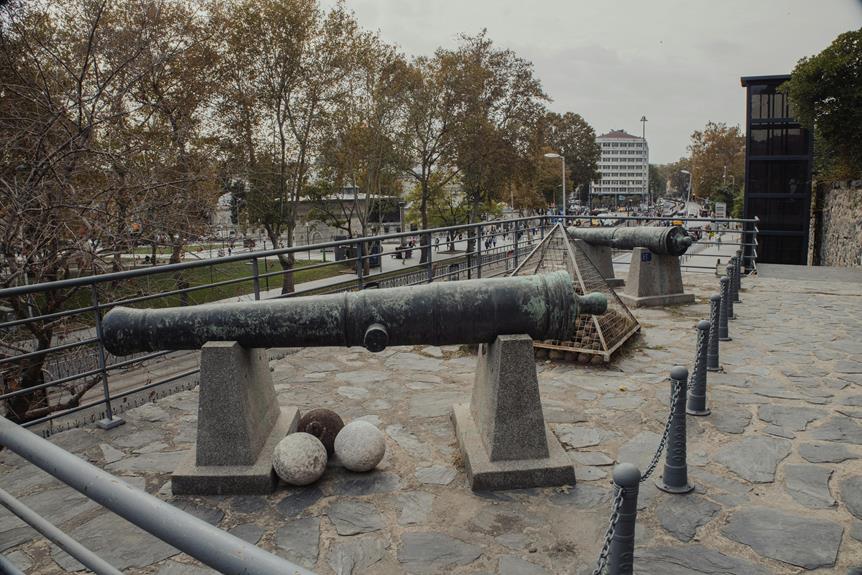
{"x":167,"y":250}
{"x":199,"y":276}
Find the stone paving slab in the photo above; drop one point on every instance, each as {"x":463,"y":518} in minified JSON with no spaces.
{"x":777,"y":467}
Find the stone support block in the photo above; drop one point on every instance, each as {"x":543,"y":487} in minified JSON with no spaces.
{"x":239,"y":424}
{"x":502,"y":432}
{"x":654,"y":280}
{"x":602,"y":258}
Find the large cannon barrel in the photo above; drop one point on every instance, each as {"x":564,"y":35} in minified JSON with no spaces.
{"x":473,"y":311}
{"x":673,"y":240}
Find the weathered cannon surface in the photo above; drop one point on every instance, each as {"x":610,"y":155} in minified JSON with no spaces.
{"x":474,"y":311}
{"x":672,"y":241}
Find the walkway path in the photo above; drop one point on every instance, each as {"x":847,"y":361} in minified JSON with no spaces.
{"x":776,"y":466}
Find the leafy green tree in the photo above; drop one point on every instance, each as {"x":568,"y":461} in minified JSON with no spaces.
{"x":825,"y":91}
{"x":572,"y":137}
{"x":657,"y":181}
{"x":497,"y":101}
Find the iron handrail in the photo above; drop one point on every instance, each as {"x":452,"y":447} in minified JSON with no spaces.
{"x":526,"y":231}
{"x":195,"y":537}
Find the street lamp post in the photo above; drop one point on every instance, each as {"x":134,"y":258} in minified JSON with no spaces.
{"x":690,"y":185}
{"x":645,"y":191}
{"x":563,"y":163}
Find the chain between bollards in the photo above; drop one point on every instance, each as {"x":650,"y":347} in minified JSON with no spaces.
{"x":723,"y":333}
{"x":657,"y":457}
{"x":712,"y":351}
{"x":617,"y":554}
{"x":675,"y":476}
{"x":697,"y":388}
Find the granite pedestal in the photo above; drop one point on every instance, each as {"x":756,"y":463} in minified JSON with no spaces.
{"x":602,"y":258}
{"x":502,"y":432}
{"x":654,"y":280}
{"x":239,"y":424}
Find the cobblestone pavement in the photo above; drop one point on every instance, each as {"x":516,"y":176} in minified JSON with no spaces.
{"x":776,"y":466}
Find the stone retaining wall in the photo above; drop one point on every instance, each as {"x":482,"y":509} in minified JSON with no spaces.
{"x":836,"y":226}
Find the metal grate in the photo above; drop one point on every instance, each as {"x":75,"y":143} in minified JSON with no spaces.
{"x":595,"y":336}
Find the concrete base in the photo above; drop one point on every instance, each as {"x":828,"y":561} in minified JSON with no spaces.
{"x":255,"y":479}
{"x":602,"y":258}
{"x":656,"y":300}
{"x":654,"y":280}
{"x":486,"y":475}
{"x":110,"y":423}
{"x":502,"y":432}
{"x":687,"y":488}
{"x":239,"y":425}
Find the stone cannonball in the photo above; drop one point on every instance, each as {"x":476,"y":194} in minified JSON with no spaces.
{"x":299,"y":459}
{"x":324,"y":424}
{"x":360,"y":446}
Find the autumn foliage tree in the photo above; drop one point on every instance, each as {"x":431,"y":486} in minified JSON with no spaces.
{"x":717,"y":162}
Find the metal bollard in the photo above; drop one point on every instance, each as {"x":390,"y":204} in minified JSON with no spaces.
{"x":738,"y":271}
{"x":697,"y":394}
{"x":712,"y":351}
{"x":723,"y":333}
{"x":734,"y":284}
{"x":627,"y":477}
{"x":675,"y":476}
{"x":729,"y":273}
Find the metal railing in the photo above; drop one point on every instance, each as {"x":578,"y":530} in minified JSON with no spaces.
{"x":65,"y":377}
{"x":206,"y":543}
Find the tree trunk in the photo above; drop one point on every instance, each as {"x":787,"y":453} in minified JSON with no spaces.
{"x":424,"y":239}
{"x":31,"y":375}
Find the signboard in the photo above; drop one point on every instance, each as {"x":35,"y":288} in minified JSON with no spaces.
{"x":646,"y":256}
{"x":720,"y":210}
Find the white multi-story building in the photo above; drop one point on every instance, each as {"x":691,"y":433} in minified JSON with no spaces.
{"x":624,"y":169}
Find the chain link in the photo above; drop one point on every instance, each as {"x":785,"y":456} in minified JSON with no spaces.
{"x":609,"y":534}
{"x":655,"y":459}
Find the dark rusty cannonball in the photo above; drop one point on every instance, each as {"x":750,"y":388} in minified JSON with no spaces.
{"x":324,"y":424}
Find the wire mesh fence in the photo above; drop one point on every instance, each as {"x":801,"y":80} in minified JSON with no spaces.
{"x":595,"y":336}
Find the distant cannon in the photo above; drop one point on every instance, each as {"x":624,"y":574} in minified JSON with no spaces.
{"x":654,"y":272}
{"x":673,"y":241}
{"x":239,"y":416}
{"x":474,"y":311}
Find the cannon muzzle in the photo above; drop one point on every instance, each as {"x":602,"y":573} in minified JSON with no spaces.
{"x":673,"y":241}
{"x":473,"y":311}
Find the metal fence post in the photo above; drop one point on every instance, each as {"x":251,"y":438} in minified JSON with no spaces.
{"x":621,"y":557}
{"x":675,"y":476}
{"x":470,"y":255}
{"x":256,"y":278}
{"x":712,"y":351}
{"x":109,"y":422}
{"x":479,"y":252}
{"x":697,"y":394}
{"x":723,"y":333}
{"x":515,"y":235}
{"x":360,"y":263}
{"x":729,"y":274}
{"x":429,"y":264}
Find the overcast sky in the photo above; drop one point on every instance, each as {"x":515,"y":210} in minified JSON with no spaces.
{"x":676,"y":61}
